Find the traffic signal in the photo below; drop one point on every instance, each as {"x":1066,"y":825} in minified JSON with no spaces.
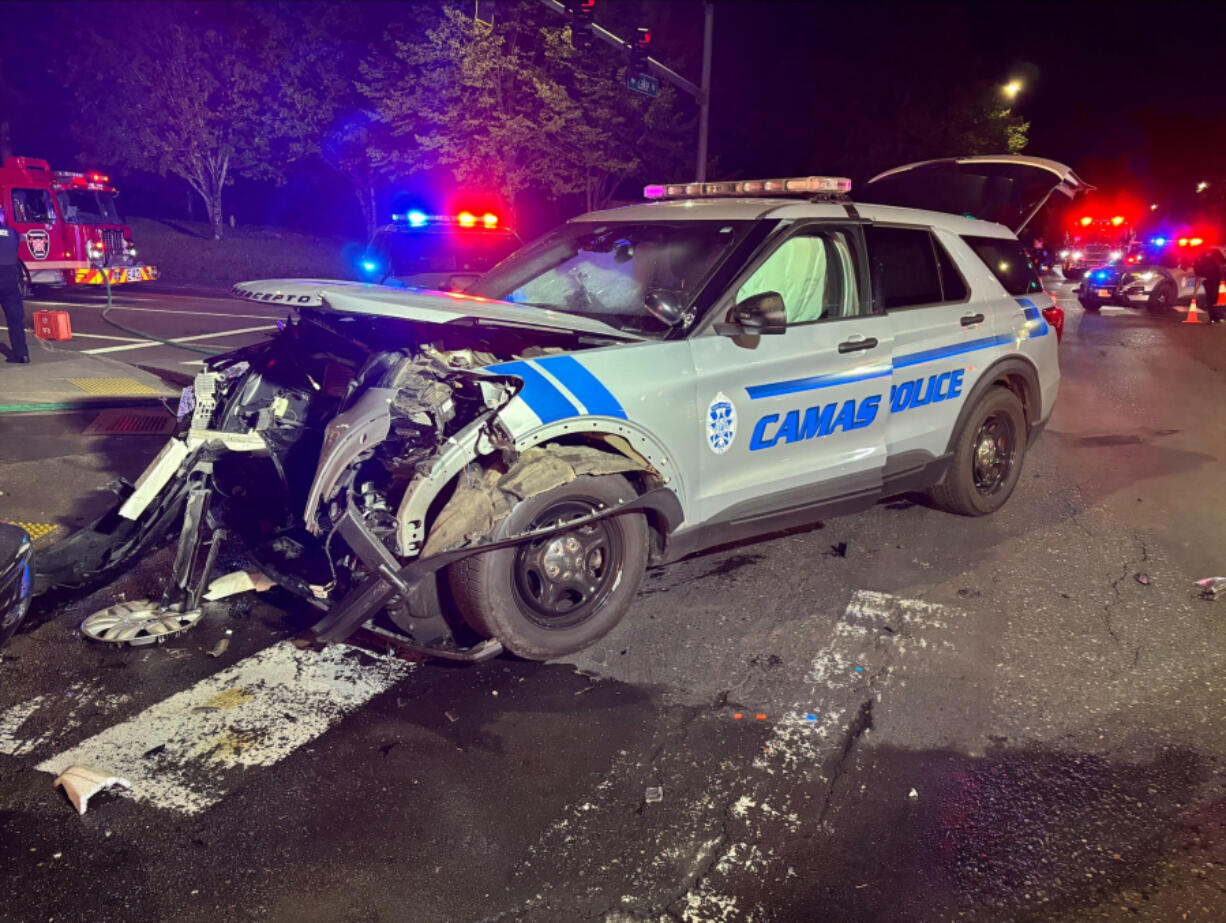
{"x":582,"y":20}
{"x":640,"y":51}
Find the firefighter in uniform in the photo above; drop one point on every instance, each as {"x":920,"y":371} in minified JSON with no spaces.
{"x":10,"y":291}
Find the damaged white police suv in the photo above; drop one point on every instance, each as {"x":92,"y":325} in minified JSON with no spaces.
{"x":494,"y":469}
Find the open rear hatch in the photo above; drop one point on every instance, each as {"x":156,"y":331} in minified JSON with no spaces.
{"x":1006,"y":188}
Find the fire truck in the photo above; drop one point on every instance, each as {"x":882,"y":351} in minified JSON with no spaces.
{"x":70,"y":227}
{"x":1094,"y":241}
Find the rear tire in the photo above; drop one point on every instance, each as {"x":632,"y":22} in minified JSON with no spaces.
{"x":987,"y":458}
{"x":1072,"y":274}
{"x":1090,"y":303}
{"x":556,"y":595}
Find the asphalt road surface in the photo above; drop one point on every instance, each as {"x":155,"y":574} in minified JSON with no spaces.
{"x":201,"y":321}
{"x":900,"y":715}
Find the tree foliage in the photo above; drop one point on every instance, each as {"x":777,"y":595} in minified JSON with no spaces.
{"x":514,"y":107}
{"x":207,"y":93}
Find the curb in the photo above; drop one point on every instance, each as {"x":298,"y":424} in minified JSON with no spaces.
{"x":84,"y":404}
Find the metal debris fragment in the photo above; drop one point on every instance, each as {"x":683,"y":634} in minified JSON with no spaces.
{"x":654,"y":794}
{"x":1211,"y":587}
{"x":1142,"y":579}
{"x":220,"y":647}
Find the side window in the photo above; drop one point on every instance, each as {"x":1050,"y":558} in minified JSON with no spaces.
{"x":814,"y":274}
{"x":904,"y":266}
{"x":1008,"y":263}
{"x":32,"y":206}
{"x":953,"y":286}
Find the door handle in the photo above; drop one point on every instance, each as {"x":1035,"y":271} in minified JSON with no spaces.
{"x":969,"y":319}
{"x":850,"y":346}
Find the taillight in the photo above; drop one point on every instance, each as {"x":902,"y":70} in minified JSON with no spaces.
{"x":1055,"y":316}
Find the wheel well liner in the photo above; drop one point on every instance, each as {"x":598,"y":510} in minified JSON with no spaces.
{"x":1013,"y":372}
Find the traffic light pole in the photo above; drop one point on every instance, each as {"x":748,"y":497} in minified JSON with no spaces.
{"x":702,"y":94}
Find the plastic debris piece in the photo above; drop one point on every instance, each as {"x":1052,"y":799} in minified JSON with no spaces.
{"x":80,"y":783}
{"x":837,"y":550}
{"x":240,"y":581}
{"x":1142,"y":579}
{"x":737,"y":716}
{"x":810,"y":717}
{"x":220,"y":647}
{"x":859,"y":669}
{"x":1211,"y":587}
{"x":913,"y":795}
{"x":655,"y":793}
{"x":452,"y":716}
{"x":760,"y":717}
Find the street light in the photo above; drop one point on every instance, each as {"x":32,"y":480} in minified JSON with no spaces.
{"x":1012,"y":88}
{"x":1154,"y":207}
{"x":1202,"y":186}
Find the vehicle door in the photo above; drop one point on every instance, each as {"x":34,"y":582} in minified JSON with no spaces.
{"x":939,"y":335}
{"x":33,"y":214}
{"x":796,"y":418}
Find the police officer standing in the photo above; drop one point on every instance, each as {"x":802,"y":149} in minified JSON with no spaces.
{"x":1208,"y":266}
{"x":10,"y":291}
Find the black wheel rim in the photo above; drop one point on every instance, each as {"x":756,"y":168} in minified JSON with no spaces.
{"x":563,"y":580}
{"x":1161,"y":298}
{"x":995,"y":453}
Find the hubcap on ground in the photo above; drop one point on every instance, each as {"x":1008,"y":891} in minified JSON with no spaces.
{"x":562,"y":580}
{"x":995,"y":451}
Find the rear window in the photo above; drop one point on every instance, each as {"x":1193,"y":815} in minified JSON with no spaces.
{"x":1008,"y":262}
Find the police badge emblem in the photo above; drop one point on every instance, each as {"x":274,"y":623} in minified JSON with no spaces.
{"x":721,"y":424}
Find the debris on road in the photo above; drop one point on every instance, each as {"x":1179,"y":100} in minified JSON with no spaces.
{"x":1210,"y":587}
{"x":655,"y":794}
{"x":837,"y":550}
{"x":451,"y":716}
{"x":80,"y":783}
{"x":1142,"y":579}
{"x":240,"y":581}
{"x":913,"y":795}
{"x":220,"y":647}
{"x":138,"y":623}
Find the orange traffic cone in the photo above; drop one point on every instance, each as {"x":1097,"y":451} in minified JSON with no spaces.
{"x":1193,"y":309}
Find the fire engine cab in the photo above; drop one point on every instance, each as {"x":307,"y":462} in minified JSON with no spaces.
{"x":70,"y":228}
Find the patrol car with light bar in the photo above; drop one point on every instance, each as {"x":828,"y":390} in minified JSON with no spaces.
{"x":496,"y":468}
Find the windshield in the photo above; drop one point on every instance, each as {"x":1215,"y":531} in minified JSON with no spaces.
{"x":402,"y":253}
{"x":605,"y":270}
{"x":84,"y":206}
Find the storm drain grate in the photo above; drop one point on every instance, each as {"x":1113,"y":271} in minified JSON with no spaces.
{"x":112,"y":386}
{"x":116,"y":422}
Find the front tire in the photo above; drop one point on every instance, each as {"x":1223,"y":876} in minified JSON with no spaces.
{"x":987,"y":457}
{"x":556,"y":595}
{"x":1090,"y":303}
{"x":23,"y":282}
{"x":1072,"y":274}
{"x":1162,"y":299}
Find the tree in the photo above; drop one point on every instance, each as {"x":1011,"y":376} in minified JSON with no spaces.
{"x":204,"y":93}
{"x":514,"y":107}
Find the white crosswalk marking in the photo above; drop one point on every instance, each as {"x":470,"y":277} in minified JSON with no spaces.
{"x":187,"y":751}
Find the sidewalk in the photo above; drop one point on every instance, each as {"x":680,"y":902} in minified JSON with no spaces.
{"x":60,"y":379}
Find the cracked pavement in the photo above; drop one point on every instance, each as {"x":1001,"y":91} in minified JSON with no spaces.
{"x":895,"y":716}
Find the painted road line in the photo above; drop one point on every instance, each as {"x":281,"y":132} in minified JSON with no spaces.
{"x":57,"y":716}
{"x":126,"y":307}
{"x":188,"y":751}
{"x":809,"y":735}
{"x":104,"y":336}
{"x":191,"y":339}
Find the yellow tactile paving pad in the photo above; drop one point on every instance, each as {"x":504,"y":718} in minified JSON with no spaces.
{"x":111,"y":386}
{"x":36,"y":530}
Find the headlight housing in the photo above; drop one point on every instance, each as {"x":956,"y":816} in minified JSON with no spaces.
{"x":95,"y":249}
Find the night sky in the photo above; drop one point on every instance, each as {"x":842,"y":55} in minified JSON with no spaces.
{"x":1131,"y":95}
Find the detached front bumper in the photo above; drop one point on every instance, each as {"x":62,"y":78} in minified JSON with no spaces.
{"x":115,"y":275}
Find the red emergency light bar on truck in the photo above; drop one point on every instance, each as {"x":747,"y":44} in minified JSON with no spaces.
{"x":70,"y":226}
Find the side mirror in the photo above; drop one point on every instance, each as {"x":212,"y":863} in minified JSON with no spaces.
{"x":755,"y":316}
{"x":664,"y":306}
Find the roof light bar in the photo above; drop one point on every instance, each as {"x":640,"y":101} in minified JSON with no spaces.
{"x":796,"y":185}
{"x":417,"y":219}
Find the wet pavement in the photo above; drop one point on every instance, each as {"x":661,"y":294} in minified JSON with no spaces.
{"x":900,"y":715}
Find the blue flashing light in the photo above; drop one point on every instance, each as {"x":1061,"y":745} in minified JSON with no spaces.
{"x":416,"y":218}
{"x":1158,"y":241}
{"x":370,"y":266}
